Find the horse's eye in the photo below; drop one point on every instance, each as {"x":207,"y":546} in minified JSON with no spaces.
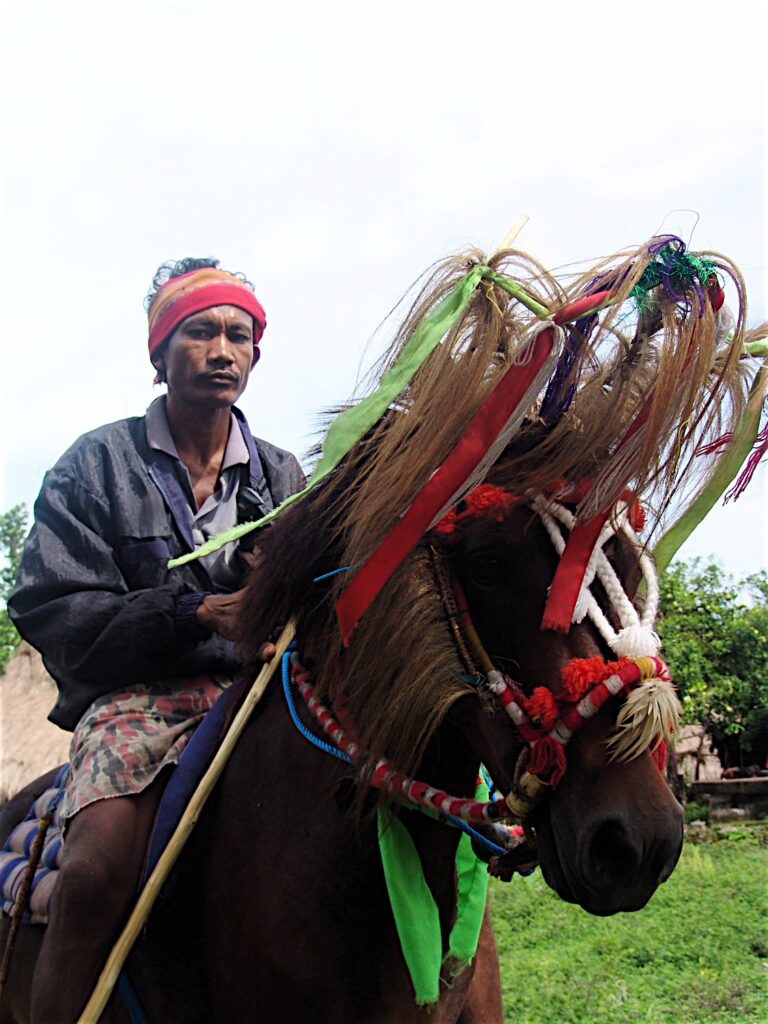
{"x":486,"y":569}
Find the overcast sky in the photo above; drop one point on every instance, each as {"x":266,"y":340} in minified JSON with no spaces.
{"x":332,"y":154}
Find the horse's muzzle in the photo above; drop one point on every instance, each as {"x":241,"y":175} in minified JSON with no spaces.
{"x":611,"y":865}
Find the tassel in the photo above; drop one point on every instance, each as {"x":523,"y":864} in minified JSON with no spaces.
{"x":650,"y":716}
{"x":759,"y":452}
{"x":636,"y":642}
{"x":582,"y":673}
{"x":541,"y":708}
{"x":547,"y":755}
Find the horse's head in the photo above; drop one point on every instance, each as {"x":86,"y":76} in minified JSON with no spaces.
{"x":609,"y":831}
{"x":483,"y":384}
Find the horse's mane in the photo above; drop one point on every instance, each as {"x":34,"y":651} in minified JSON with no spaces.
{"x":395,"y":678}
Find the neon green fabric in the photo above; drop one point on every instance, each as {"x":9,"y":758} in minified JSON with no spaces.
{"x":472,"y":878}
{"x":413,"y":907}
{"x":727,"y":468}
{"x":415,"y":911}
{"x":352,"y":424}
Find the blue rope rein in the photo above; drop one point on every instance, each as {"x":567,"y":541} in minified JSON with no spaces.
{"x":328,"y":748}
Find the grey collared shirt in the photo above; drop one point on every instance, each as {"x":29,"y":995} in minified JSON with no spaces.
{"x":219,"y":511}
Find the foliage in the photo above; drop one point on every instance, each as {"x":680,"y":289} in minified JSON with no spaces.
{"x":13,"y":529}
{"x":717,"y":646}
{"x":694,"y":955}
{"x":696,"y":812}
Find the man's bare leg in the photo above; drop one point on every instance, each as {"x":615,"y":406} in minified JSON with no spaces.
{"x":103,"y":855}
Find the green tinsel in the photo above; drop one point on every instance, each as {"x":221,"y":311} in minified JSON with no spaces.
{"x":675,"y":267}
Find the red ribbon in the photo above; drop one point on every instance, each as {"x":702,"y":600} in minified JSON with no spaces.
{"x":587,"y":304}
{"x":483,"y":430}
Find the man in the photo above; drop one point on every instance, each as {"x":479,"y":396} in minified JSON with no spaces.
{"x":139,"y":652}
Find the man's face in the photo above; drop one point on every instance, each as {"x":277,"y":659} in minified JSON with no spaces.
{"x":207,"y":359}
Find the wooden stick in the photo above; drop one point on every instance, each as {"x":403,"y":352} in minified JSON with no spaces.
{"x":155,"y":882}
{"x":513,"y":232}
{"x":23,"y":896}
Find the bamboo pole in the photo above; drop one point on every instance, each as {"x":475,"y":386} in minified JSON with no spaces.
{"x":514,"y":231}
{"x":150,"y":892}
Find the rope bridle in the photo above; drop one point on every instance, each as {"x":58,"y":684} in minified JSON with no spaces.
{"x":650,"y":715}
{"x":545,"y":731}
{"x":636,"y":637}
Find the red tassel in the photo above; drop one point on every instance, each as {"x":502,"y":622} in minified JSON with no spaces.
{"x":542,"y":708}
{"x":489,"y":501}
{"x":659,"y":756}
{"x":580,"y":674}
{"x":547,"y":755}
{"x":486,"y":500}
{"x":758,"y":454}
{"x":447,"y":525}
{"x":717,"y":446}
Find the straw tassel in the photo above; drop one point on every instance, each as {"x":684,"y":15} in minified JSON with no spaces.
{"x":650,"y":716}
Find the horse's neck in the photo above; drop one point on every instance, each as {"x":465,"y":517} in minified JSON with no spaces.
{"x":448,"y":764}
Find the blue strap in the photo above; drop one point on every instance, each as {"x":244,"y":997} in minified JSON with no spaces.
{"x":327,"y":748}
{"x":131,"y":1000}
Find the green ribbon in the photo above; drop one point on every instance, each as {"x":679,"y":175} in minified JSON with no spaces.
{"x":728,"y":466}
{"x":517,"y":292}
{"x":415,"y":911}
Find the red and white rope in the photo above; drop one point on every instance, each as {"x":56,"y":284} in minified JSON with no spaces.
{"x":385,"y":776}
{"x":547,"y":748}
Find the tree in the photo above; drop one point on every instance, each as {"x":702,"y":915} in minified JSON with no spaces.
{"x":717,"y":646}
{"x":13,"y":529}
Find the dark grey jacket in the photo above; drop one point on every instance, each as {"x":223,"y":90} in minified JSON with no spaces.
{"x":94,"y":595}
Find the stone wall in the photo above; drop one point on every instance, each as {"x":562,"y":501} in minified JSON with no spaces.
{"x":731,"y":799}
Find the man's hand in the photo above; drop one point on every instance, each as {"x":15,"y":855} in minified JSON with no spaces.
{"x":220,"y":613}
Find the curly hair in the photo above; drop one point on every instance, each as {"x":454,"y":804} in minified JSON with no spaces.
{"x":176,"y":268}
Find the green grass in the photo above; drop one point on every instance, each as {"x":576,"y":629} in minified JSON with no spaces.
{"x":697,"y":954}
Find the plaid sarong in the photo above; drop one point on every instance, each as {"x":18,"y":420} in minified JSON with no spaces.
{"x":125,"y":739}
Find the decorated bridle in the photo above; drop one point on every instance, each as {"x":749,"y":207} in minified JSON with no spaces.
{"x":545,"y":721}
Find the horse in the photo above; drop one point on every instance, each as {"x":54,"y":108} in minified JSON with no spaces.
{"x":281,"y":904}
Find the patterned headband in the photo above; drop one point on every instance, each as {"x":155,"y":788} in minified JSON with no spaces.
{"x":192,"y":293}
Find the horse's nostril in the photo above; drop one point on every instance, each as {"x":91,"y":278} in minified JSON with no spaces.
{"x":613,"y":854}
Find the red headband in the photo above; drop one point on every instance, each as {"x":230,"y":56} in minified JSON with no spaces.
{"x":191,"y":293}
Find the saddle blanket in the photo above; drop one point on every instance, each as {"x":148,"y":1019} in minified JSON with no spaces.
{"x":14,"y":857}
